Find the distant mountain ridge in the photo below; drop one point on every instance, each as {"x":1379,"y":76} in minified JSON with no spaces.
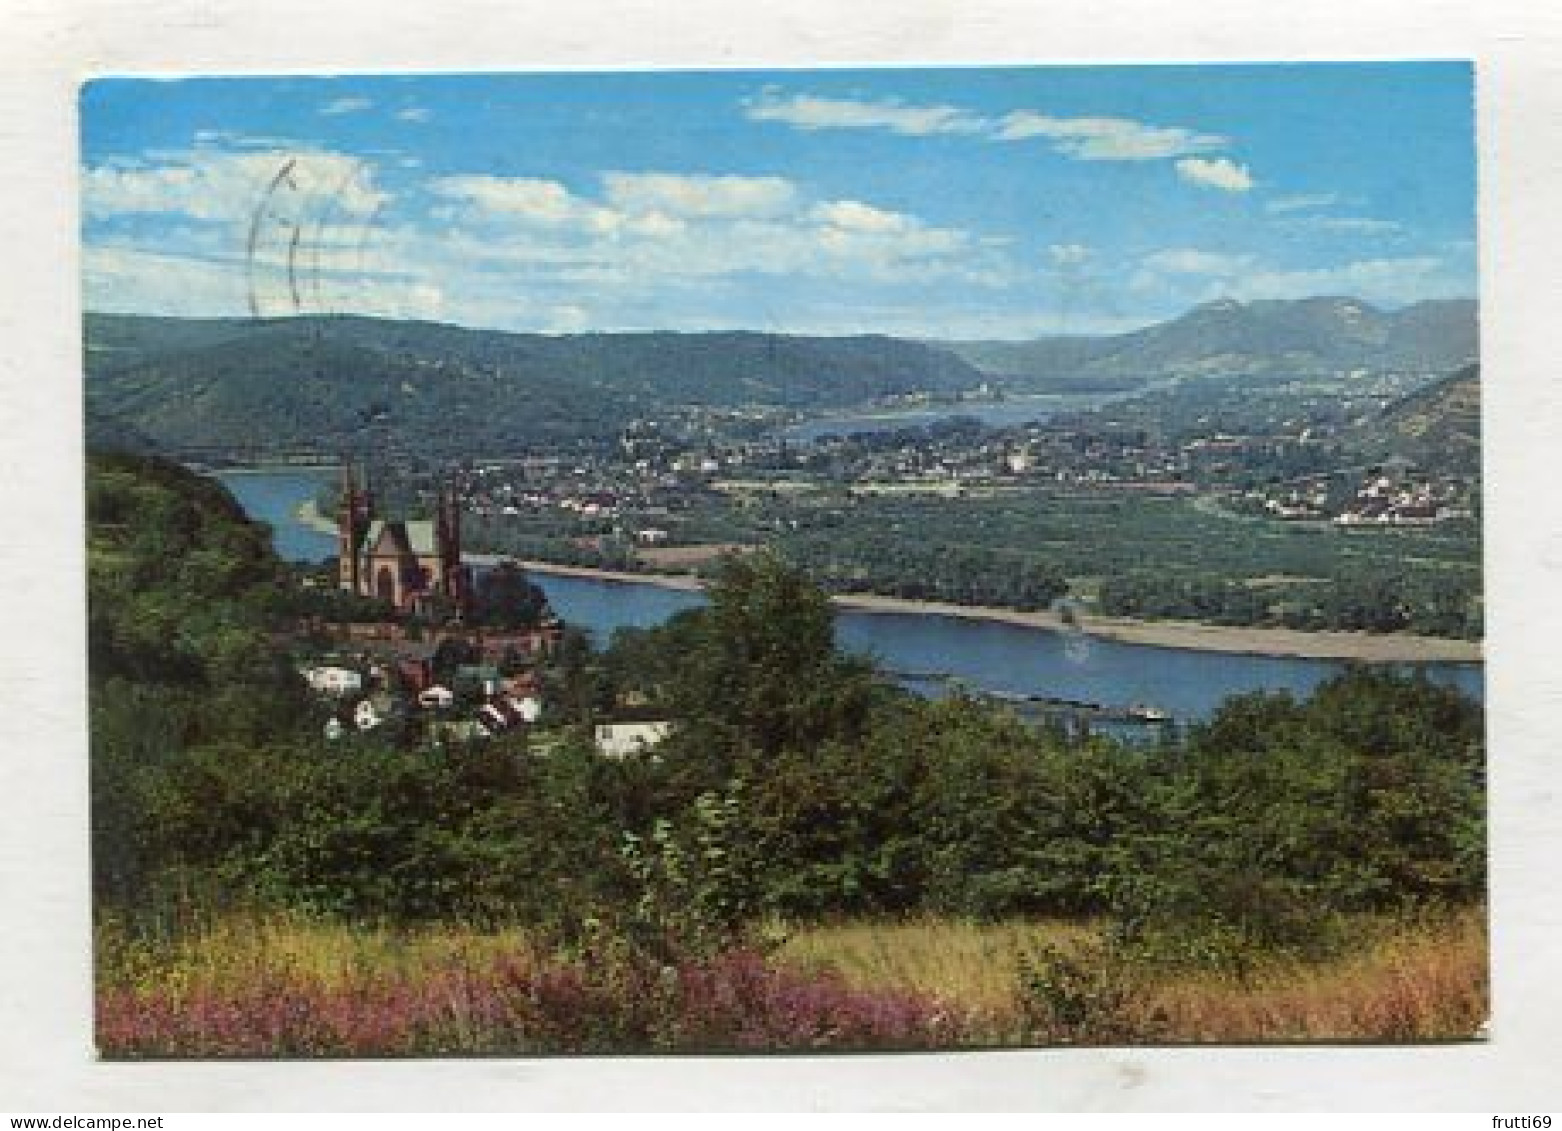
{"x":1280,"y":337}
{"x":335,"y":382}
{"x":339,"y":380}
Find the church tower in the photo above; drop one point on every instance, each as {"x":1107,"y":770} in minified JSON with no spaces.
{"x":453,"y":580}
{"x":352,"y":524}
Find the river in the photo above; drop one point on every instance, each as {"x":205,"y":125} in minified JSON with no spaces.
{"x":273,"y":495}
{"x":1005,"y":658}
{"x":988,"y":656}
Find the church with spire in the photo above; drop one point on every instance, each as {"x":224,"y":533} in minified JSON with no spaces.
{"x":414,"y":564}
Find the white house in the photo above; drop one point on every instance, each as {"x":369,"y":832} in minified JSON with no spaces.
{"x":366,"y":716}
{"x":507,"y":712}
{"x":617,"y":740}
{"x":329,"y":679}
{"x":436,"y":697}
{"x":493,"y":719}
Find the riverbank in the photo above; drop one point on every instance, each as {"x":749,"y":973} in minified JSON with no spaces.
{"x":1359,"y":646}
{"x":307,"y":513}
{"x":1364,"y":647}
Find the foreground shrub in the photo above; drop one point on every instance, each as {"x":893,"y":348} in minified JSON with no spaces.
{"x":1086,"y":995}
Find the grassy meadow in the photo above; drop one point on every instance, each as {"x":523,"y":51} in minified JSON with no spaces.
{"x":1401,"y":982}
{"x":280,"y":985}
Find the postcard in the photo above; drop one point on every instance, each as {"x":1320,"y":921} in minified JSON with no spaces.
{"x":817,"y":560}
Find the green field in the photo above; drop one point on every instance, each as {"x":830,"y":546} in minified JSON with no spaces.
{"x":1130,"y":554}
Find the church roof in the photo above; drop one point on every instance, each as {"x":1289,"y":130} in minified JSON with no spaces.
{"x":414,"y":537}
{"x":380,"y":530}
{"x":420,"y":535}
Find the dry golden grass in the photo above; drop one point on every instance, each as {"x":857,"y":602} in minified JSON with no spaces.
{"x":974,"y":964}
{"x":235,"y":950}
{"x":1427,"y":982}
{"x":1424,"y":983}
{"x":1401,"y":982}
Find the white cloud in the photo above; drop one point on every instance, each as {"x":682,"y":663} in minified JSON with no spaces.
{"x":808,"y":112}
{"x":414,"y":114}
{"x":1105,"y":139}
{"x":1192,"y":261}
{"x":1184,"y":276}
{"x":1082,"y":138}
{"x":568,"y":318}
{"x":954,"y":322}
{"x":673,"y":194}
{"x":1300,"y":203}
{"x":143,"y":281}
{"x":1069,"y":254}
{"x":855,"y":216}
{"x":1217,"y":172}
{"x":530,"y":198}
{"x":888,"y":250}
{"x":632,"y":279}
{"x":181,"y":189}
{"x":1349,"y":225}
{"x":347,"y":106}
{"x":175,"y":234}
{"x":210,"y":140}
{"x":650,"y":230}
{"x":1390,"y":280}
{"x":655,"y":225}
{"x":223,"y":185}
{"x":649,"y":205}
{"x":211,"y":230}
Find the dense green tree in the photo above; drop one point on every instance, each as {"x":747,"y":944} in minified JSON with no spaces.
{"x":762,"y":673}
{"x":1278,"y":814}
{"x":505,"y":598}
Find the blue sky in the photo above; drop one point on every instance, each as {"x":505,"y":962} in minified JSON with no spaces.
{"x":950,"y":202}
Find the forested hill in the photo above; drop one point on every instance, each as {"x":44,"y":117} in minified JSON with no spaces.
{"x":334,"y":379}
{"x":182,"y":585}
{"x":1283,"y":338}
{"x":1438,"y":425}
{"x":331,"y":382}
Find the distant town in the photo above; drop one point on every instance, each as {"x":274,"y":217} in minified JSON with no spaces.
{"x":671,"y":495}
